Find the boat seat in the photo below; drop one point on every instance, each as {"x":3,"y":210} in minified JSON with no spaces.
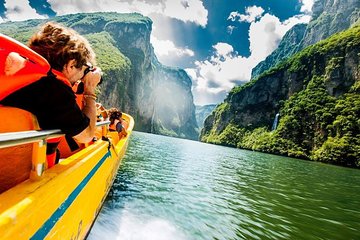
{"x":15,"y":162}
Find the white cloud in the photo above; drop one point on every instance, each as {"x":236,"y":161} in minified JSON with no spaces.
{"x":187,"y":10}
{"x":19,"y":10}
{"x":214,"y":77}
{"x":168,"y":48}
{"x":265,"y":34}
{"x":230,"y":29}
{"x":223,"y":49}
{"x":183,"y":10}
{"x":252,"y":13}
{"x":306,"y":5}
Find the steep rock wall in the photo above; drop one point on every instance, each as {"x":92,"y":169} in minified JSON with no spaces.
{"x":316,"y":93}
{"x":328,"y":18}
{"x":158,"y":97}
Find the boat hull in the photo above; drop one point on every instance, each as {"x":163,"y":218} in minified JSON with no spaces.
{"x":64,"y":203}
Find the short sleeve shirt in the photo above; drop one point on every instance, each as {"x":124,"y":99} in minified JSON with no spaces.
{"x":53,"y":103}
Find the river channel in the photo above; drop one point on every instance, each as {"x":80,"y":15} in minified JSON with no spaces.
{"x":169,"y":189}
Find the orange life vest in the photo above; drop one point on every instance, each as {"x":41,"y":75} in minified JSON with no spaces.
{"x":21,"y":66}
{"x":112,"y":127}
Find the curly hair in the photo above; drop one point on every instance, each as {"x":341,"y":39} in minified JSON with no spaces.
{"x":58,"y":45}
{"x":114,"y":114}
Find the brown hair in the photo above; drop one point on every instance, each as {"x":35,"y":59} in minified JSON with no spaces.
{"x":58,"y":45}
{"x":114,"y":114}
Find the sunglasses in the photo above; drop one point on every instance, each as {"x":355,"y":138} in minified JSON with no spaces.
{"x":90,"y":68}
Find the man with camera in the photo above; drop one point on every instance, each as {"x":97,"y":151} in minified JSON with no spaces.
{"x":51,"y":98}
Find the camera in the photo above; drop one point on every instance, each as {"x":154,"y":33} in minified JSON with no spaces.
{"x":91,"y":69}
{"x":80,"y":87}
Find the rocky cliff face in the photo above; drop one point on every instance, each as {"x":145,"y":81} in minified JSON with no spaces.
{"x":316,"y":93}
{"x":202,"y":112}
{"x":256,"y":104}
{"x":158,"y":97}
{"x":328,"y":17}
{"x":287,"y":47}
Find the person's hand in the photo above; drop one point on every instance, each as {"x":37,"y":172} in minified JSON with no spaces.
{"x":98,"y":106}
{"x":91,"y":80}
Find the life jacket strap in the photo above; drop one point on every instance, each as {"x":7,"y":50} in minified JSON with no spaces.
{"x":51,"y":154}
{"x":72,"y":143}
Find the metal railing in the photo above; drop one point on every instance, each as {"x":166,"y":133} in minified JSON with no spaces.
{"x":11,"y":139}
{"x":17,"y":138}
{"x":38,"y":139}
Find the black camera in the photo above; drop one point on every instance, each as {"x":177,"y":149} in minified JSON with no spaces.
{"x":91,"y":69}
{"x":80,"y":87}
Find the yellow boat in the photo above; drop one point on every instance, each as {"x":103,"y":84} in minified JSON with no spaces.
{"x":61,"y":202}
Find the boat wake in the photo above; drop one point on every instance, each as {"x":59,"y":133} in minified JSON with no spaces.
{"x":124,"y":225}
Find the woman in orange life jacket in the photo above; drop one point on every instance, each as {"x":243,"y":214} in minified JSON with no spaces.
{"x":116,"y":122}
{"x":51,"y":99}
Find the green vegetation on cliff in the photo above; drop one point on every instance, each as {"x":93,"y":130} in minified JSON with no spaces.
{"x":158,"y":97}
{"x":328,"y":17}
{"x":319,"y":111}
{"x":110,"y":57}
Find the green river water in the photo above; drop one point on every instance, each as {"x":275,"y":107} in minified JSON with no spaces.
{"x":170,"y":189}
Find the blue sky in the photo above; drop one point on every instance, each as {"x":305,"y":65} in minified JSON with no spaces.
{"x":217,"y":42}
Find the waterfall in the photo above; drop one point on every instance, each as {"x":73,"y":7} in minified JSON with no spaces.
{"x":275,"y":123}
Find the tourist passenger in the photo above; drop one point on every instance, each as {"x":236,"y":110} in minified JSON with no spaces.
{"x":116,"y":122}
{"x":51,"y":99}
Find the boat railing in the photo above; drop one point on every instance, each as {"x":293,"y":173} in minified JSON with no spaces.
{"x":17,"y":138}
{"x":102,"y":123}
{"x":11,"y":139}
{"x":38,"y":139}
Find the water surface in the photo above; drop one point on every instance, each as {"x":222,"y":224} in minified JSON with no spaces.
{"x":169,"y":188}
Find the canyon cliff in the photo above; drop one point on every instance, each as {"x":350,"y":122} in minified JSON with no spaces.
{"x":314,"y":95}
{"x":158,"y":97}
{"x":328,"y":17}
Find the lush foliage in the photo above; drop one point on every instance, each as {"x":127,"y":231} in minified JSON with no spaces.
{"x":108,"y":54}
{"x":315,"y":122}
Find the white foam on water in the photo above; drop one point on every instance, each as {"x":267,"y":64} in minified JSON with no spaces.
{"x":125,"y":225}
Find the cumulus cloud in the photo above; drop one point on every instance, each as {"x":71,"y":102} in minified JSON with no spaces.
{"x":216,"y":76}
{"x":252,"y":13}
{"x":266,"y":34}
{"x":189,"y":10}
{"x":19,"y":10}
{"x":183,"y":10}
{"x":306,"y":5}
{"x":168,"y":48}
